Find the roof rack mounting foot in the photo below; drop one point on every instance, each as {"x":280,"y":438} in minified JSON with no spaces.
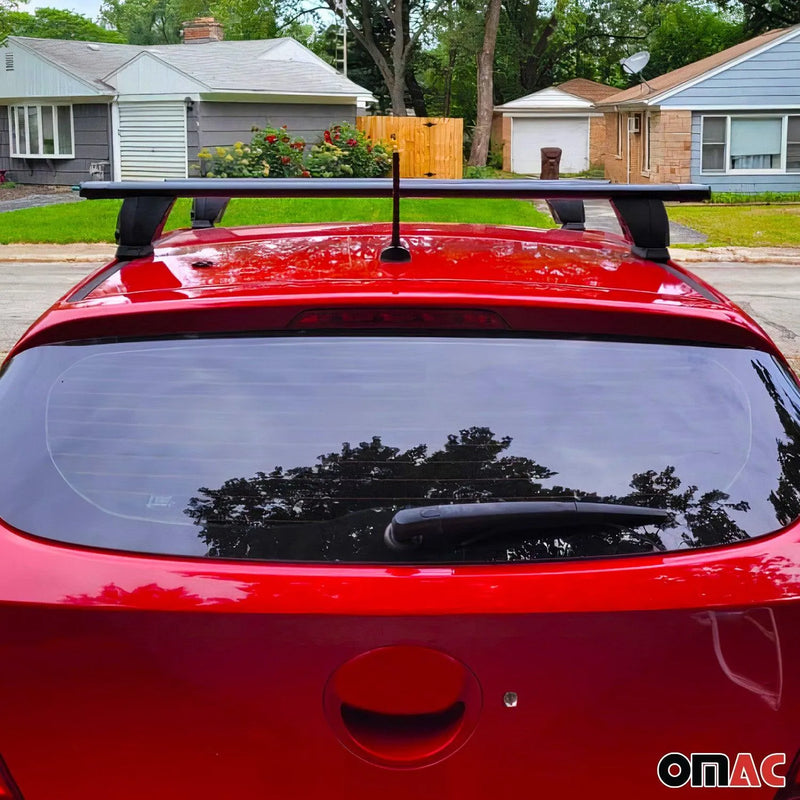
{"x":570,"y":214}
{"x":645,"y":224}
{"x":140,"y":222}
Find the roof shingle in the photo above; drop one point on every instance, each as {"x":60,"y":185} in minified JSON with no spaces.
{"x":238,"y":66}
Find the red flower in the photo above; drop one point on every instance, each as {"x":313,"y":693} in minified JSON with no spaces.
{"x":284,"y":138}
{"x":369,"y":148}
{"x":306,"y":174}
{"x":271,"y":139}
{"x":283,"y":127}
{"x":337,"y":135}
{"x":285,"y":159}
{"x":352,"y":142}
{"x":327,"y":137}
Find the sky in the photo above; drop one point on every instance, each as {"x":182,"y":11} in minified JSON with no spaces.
{"x":89,"y":8}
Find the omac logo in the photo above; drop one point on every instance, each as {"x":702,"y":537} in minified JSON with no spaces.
{"x":715,"y":770}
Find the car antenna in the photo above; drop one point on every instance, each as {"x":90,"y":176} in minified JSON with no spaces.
{"x":396,"y":252}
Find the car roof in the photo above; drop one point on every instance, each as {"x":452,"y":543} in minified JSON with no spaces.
{"x":468,"y":260}
{"x":575,"y":281}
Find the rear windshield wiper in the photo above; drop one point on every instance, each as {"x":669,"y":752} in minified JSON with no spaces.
{"x":457,"y":524}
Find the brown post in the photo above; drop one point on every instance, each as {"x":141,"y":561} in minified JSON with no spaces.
{"x":551,"y":163}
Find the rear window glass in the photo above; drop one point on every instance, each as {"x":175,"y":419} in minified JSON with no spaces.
{"x":302,"y":448}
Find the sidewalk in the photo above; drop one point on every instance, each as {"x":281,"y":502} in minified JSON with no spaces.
{"x":101,"y":252}
{"x":50,"y":253}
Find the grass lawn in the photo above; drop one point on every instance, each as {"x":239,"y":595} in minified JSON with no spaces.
{"x":95,"y":220}
{"x":744,"y":226}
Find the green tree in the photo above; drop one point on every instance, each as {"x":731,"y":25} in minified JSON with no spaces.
{"x":763,"y":15}
{"x":688,"y":32}
{"x":148,"y":22}
{"x":55,"y":23}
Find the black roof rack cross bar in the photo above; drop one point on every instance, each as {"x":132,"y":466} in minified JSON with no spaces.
{"x":382,"y":187}
{"x":639,"y":207}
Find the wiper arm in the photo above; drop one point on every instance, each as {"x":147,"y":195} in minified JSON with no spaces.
{"x":451,"y":525}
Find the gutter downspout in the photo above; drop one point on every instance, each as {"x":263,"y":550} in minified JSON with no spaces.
{"x":116,"y":166}
{"x":628,"y":148}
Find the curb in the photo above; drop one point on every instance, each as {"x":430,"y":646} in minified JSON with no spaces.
{"x":745,"y":255}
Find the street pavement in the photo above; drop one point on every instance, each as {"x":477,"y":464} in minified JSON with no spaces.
{"x":27,"y":289}
{"x":770,"y":292}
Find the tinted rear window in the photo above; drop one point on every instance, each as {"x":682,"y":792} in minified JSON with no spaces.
{"x":302,"y":448}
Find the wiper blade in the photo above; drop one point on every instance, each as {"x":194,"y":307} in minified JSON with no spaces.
{"x":456,"y":524}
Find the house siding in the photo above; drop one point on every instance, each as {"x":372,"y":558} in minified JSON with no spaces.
{"x":745,"y":184}
{"x":765,"y":78}
{"x":222,"y":124}
{"x":92,"y":143}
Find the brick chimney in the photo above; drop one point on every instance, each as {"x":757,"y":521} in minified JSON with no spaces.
{"x":202,"y":30}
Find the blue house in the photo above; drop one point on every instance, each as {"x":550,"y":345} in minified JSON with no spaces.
{"x":731,"y":120}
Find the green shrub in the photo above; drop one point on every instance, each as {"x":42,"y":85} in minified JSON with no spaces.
{"x":343,"y":151}
{"x":272,"y":152}
{"x":479,"y":172}
{"x":495,"y":158}
{"x":730,"y":198}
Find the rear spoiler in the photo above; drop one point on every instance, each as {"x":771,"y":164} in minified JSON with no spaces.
{"x":639,"y":208}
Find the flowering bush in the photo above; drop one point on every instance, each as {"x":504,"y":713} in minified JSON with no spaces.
{"x":227,"y":162}
{"x":272,"y":152}
{"x":278,"y":154}
{"x":342,"y":152}
{"x":346,"y":152}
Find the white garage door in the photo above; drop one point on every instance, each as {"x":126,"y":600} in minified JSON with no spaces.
{"x":152,"y":140}
{"x":529,"y":135}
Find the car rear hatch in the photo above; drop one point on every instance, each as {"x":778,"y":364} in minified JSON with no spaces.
{"x":199,"y":599}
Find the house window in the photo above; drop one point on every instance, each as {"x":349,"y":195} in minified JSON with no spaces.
{"x":756,"y":143}
{"x":793,"y":144}
{"x":646,"y":143}
{"x":750,"y":144}
{"x":41,"y":131}
{"x":713,"y":158}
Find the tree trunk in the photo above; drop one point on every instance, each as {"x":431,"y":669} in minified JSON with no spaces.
{"x":448,"y":82}
{"x":479,"y":151}
{"x":416,"y":94}
{"x":397,"y":90}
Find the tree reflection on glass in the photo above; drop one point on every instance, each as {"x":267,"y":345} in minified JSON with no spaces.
{"x":786,"y":498}
{"x":337,"y":509}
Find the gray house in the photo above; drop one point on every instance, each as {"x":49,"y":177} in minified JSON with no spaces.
{"x":731,"y":120}
{"x":71,"y":110}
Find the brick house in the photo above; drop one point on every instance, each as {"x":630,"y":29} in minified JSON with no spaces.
{"x":731,"y":120}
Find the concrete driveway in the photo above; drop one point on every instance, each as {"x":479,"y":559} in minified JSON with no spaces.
{"x":769,"y":292}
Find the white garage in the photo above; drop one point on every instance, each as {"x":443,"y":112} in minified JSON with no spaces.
{"x":530,"y":134}
{"x":560,"y":116}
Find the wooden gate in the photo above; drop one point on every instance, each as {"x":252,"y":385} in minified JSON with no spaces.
{"x":430,"y":147}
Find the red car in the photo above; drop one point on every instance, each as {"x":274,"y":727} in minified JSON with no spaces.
{"x":440,"y":511}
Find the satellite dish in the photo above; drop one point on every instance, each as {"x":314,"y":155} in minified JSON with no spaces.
{"x":634,"y":64}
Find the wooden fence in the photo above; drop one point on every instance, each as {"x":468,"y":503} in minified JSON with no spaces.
{"x":430,"y":147}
